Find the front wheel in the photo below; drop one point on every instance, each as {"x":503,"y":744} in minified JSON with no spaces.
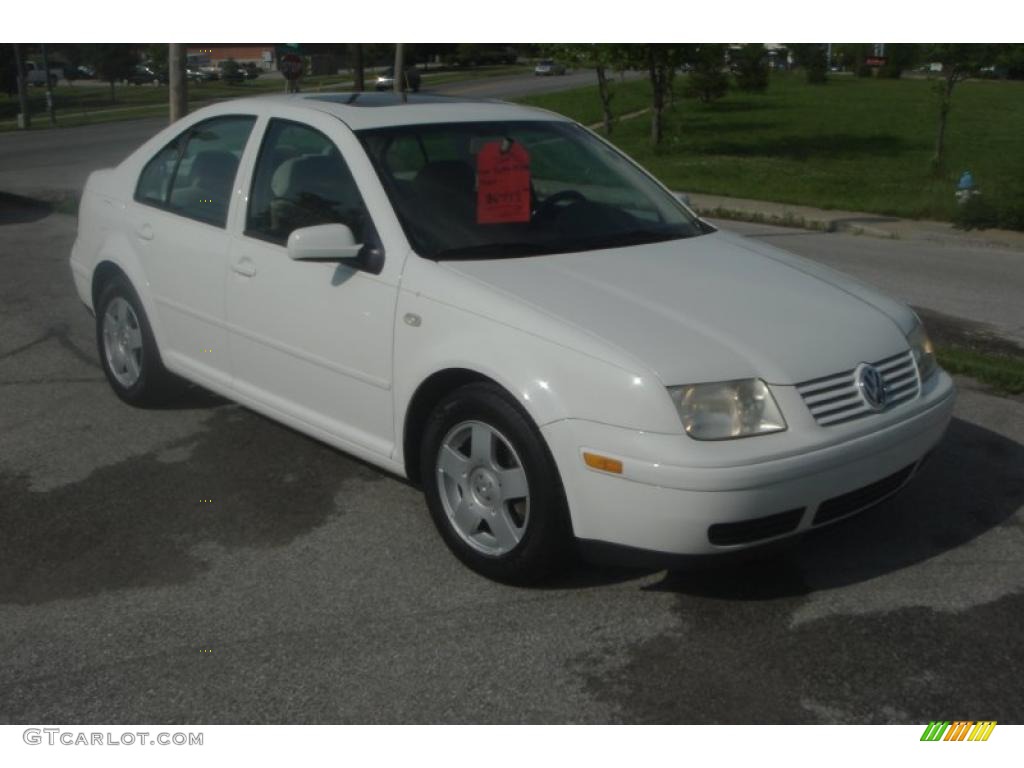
{"x":492,"y":487}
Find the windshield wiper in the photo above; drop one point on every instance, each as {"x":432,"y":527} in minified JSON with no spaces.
{"x":494,"y":250}
{"x":636,"y":237}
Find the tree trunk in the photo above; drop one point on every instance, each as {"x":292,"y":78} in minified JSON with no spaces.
{"x":945,"y":101}
{"x":399,"y":70}
{"x":606,"y":99}
{"x":358,"y":69}
{"x":26,"y":117}
{"x":657,"y":99}
{"x":49,"y":85}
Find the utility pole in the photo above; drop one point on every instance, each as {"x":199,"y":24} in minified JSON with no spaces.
{"x":399,"y":71}
{"x":24,"y":119}
{"x":49,"y":85}
{"x":178,"y":81}
{"x":358,"y":68}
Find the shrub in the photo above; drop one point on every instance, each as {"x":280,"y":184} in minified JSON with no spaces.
{"x":750,"y":67}
{"x":707,"y":80}
{"x":981,"y":213}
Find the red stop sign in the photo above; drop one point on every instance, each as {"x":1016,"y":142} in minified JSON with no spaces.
{"x":290,"y":66}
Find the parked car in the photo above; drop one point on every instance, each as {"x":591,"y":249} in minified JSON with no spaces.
{"x":85,"y":72}
{"x":232,"y":72}
{"x":386,"y":80}
{"x":252,"y":71}
{"x":36,"y":75}
{"x":500,"y":306}
{"x":145,"y":74}
{"x":196,"y":75}
{"x":547,"y":67}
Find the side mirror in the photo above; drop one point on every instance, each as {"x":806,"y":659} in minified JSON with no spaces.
{"x":324,"y":242}
{"x":334,"y":242}
{"x":683,"y":198}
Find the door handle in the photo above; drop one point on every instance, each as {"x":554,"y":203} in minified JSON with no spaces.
{"x":244,"y":267}
{"x":145,"y":232}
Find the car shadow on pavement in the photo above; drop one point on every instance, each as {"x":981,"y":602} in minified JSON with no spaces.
{"x":15,"y":209}
{"x":971,"y":484}
{"x":190,"y":397}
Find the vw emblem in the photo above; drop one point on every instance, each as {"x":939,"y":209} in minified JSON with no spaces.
{"x":871,"y":385}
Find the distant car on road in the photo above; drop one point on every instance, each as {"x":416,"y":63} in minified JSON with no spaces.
{"x":386,"y":80}
{"x":145,"y":74}
{"x":547,"y":67}
{"x":84,"y":72}
{"x":35,"y":75}
{"x":196,"y":75}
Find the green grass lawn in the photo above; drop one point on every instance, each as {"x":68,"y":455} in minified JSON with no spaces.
{"x":855,"y":144}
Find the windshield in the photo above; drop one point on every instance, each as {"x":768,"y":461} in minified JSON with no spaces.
{"x":501,"y":189}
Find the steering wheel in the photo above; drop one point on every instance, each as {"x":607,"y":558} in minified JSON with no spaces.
{"x":547,"y":208}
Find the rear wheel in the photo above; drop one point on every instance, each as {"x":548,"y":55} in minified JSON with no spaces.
{"x":127,"y":349}
{"x":492,"y":487}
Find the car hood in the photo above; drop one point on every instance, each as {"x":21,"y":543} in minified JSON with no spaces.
{"x":708,"y":308}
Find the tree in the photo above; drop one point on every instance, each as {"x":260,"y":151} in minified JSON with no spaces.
{"x":602,"y":57}
{"x":8,"y":71}
{"x":749,"y":65}
{"x":661,"y":60}
{"x":1011,"y":59}
{"x":959,"y":61}
{"x":114,"y":62}
{"x":358,"y":69}
{"x":813,"y":59}
{"x":898,"y":57}
{"x":707,"y":80}
{"x":157,"y":56}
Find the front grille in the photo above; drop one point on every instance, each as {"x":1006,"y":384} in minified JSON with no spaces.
{"x":836,"y":399}
{"x":724,"y":534}
{"x":862,"y":498}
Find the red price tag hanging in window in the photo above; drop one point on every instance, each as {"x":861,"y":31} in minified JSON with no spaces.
{"x":503,"y":183}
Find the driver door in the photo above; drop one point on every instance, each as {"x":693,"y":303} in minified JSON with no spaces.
{"x":310,"y":341}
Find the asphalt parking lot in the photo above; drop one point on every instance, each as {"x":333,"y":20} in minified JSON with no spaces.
{"x":200,"y":563}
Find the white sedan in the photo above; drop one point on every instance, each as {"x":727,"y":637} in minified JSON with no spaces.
{"x":497,"y":304}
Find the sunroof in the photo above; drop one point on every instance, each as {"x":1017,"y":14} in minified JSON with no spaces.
{"x":382,"y":98}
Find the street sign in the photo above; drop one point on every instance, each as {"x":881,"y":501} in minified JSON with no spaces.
{"x":290,"y":65}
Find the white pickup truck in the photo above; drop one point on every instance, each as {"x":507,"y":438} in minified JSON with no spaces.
{"x":36,"y":75}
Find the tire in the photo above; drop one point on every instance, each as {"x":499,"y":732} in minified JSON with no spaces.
{"x":480,"y":452}
{"x":127,"y":349}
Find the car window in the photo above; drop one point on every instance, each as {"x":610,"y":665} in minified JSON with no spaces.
{"x":155,"y":179}
{"x":301,"y":180}
{"x":205,"y":174}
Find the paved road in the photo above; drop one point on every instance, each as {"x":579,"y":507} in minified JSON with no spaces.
{"x":313,"y":588}
{"x":47,"y":164}
{"x":977,"y":283}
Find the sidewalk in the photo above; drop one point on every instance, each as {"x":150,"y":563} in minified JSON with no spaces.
{"x":850,"y":222}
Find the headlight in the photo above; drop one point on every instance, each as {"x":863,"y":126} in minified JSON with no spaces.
{"x":727,"y":409}
{"x":924,"y":352}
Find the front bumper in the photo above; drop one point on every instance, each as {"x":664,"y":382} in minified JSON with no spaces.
{"x":674,"y":508}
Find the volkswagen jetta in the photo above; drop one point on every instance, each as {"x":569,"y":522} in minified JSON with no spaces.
{"x":497,"y":304}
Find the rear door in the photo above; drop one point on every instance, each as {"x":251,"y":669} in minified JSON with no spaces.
{"x":179,"y":221}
